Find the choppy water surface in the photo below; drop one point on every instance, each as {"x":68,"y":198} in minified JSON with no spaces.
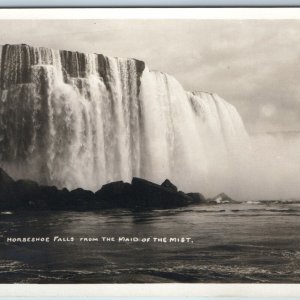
{"x":252,"y":242}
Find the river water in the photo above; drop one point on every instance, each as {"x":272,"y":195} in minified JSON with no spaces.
{"x":227,"y":243}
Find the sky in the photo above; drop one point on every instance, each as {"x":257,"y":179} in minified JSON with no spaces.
{"x":253,"y":64}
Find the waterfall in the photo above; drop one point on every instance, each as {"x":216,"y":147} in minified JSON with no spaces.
{"x":82,"y":120}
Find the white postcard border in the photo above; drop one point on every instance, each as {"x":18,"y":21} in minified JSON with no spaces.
{"x":173,"y":289}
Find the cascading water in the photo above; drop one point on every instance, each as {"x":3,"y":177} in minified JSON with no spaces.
{"x":82,"y":120}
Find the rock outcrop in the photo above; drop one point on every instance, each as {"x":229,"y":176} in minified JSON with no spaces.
{"x":221,"y":199}
{"x":139,"y":194}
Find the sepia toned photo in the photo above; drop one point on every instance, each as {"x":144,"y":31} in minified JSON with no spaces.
{"x":149,"y":151}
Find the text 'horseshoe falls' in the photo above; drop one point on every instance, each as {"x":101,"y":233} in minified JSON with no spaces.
{"x":81,"y":120}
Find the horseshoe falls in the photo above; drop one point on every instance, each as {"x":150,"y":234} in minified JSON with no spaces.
{"x":82,"y":120}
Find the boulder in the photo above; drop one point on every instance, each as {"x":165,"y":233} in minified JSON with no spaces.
{"x":29,"y":194}
{"x":53,"y":197}
{"x":151,"y":195}
{"x":169,"y":185}
{"x":5,"y":181}
{"x":115,"y":194}
{"x":81,"y":199}
{"x":197,"y":197}
{"x":82,"y":195}
{"x":8,"y":199}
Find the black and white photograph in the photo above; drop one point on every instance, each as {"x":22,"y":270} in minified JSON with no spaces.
{"x":149,"y":150}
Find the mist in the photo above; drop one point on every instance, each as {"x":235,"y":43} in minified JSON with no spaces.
{"x":82,"y":120}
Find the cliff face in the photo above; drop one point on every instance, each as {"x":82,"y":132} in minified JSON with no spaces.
{"x":82,"y":120}
{"x":17,"y":62}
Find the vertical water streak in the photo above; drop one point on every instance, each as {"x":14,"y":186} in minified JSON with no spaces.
{"x":82,"y":120}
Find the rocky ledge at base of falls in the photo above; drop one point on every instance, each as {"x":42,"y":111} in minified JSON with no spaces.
{"x":139,"y":194}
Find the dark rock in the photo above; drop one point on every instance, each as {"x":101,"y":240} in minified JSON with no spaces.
{"x":197,"y":197}
{"x":5,"y":180}
{"x":169,"y":185}
{"x":82,"y":195}
{"x":140,"y":194}
{"x":113,"y":189}
{"x":81,"y":199}
{"x":151,"y":195}
{"x":26,"y":186}
{"x":29,"y":194}
{"x":52,"y":197}
{"x":115,"y":194}
{"x":8,"y":198}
